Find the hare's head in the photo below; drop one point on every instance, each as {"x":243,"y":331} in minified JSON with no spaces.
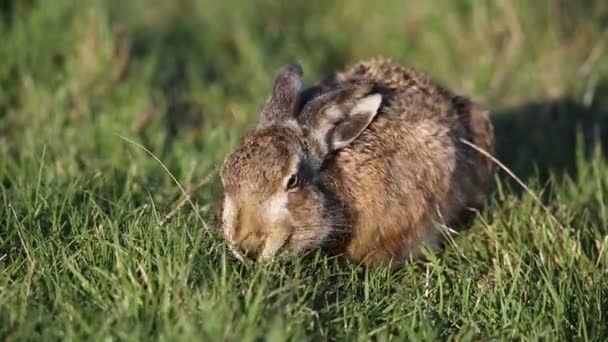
{"x":275,"y":202}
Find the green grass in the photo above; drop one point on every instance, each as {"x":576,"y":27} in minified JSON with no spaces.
{"x":82,"y":253}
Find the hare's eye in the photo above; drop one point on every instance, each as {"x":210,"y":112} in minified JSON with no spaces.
{"x":292,"y":182}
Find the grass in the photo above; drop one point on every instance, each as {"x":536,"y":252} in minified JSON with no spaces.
{"x":83,"y":255}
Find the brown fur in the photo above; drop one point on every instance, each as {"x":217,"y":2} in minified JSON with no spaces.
{"x":382,"y":196}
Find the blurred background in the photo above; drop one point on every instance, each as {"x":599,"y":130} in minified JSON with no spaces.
{"x":186,"y":77}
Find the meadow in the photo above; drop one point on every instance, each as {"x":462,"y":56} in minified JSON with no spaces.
{"x":111,"y":111}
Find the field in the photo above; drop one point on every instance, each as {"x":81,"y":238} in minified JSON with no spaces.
{"x":111,"y":110}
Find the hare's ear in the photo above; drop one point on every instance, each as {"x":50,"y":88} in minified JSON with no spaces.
{"x":354,"y":121}
{"x":281,"y":103}
{"x":336,"y":124}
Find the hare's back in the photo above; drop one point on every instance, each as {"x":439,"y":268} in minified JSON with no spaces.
{"x":413,"y":152}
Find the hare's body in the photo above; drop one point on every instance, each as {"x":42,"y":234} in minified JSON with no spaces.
{"x":378,"y":159}
{"x":408,"y":171}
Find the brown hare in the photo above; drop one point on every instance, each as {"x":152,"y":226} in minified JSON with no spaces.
{"x":368,"y":163}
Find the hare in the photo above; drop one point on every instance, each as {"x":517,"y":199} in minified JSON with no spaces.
{"x":368,"y":163}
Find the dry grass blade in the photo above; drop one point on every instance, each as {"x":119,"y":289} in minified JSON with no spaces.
{"x":512,"y":175}
{"x":187,"y":197}
{"x":597,"y":51}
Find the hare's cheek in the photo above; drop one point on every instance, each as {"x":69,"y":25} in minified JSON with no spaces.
{"x":296,"y":199}
{"x":228,"y":217}
{"x":276,"y":209}
{"x":304,"y":207}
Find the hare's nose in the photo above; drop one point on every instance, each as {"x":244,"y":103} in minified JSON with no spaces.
{"x":251,"y":246}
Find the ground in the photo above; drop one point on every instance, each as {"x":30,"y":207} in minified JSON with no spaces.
{"x":98,"y":97}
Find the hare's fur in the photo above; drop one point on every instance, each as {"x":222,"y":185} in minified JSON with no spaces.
{"x":379,"y":195}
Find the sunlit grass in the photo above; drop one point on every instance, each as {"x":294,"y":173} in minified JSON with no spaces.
{"x":83,"y":253}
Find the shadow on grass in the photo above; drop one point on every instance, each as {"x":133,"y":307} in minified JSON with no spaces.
{"x":540,"y":138}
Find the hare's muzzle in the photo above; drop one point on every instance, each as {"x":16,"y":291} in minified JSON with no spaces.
{"x":261,"y":246}
{"x":251,"y":245}
{"x":257,"y":230}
